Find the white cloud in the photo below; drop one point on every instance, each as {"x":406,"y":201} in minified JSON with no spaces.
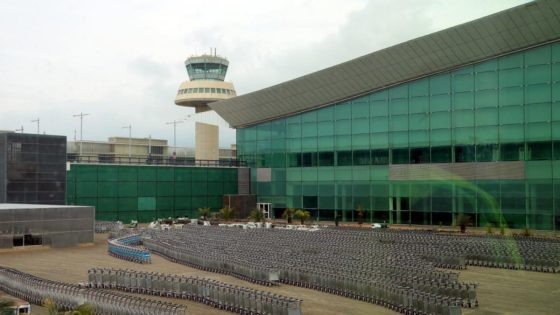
{"x":122,"y":61}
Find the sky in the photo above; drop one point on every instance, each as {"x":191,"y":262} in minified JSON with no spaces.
{"x":122,"y":61}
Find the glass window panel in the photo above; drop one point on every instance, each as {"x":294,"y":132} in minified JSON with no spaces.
{"x":537,"y":94}
{"x":419,"y":87}
{"x":555,"y":72}
{"x":380,"y":140}
{"x":487,"y":134}
{"x":325,"y":128}
{"x":309,"y":117}
{"x":556,"y":92}
{"x":381,"y":95}
{"x":487,"y":152}
{"x":538,"y":56}
{"x":400,"y":156}
{"x":463,"y":100}
{"x":440,"y":102}
{"x":380,"y":157}
{"x":379,"y":108}
{"x":400,"y":91}
{"x":490,"y":65}
{"x":293,"y":131}
{"x":360,"y":125}
{"x":419,"y":138}
{"x":325,"y":143}
{"x":325,"y":114}
{"x":399,"y":123}
{"x":344,"y":158}
{"x":441,"y":154}
{"x":361,"y":157}
{"x":486,"y":98}
{"x":293,"y":119}
{"x":360,"y":110}
{"x":463,"y":82}
{"x":293,"y":145}
{"x":463,"y":118}
{"x":343,"y":127}
{"x":537,"y":74}
{"x":294,"y":159}
{"x":263,"y":131}
{"x":512,"y":152}
{"x":379,"y":124}
{"x":511,"y":115}
{"x":398,"y":106}
{"x":555,"y":52}
{"x":486,"y":80}
{"x":250,"y":134}
{"x":399,"y":139}
{"x":420,"y":155}
{"x":555,"y":111}
{"x":556,"y":156}
{"x":308,"y":159}
{"x":537,"y":132}
{"x":439,"y":84}
{"x":343,"y":142}
{"x":512,"y":133}
{"x":511,"y":96}
{"x":440,"y":136}
{"x":360,"y":141}
{"x":326,"y":158}
{"x":463,"y":135}
{"x":342,"y":111}
{"x":511,"y":61}
{"x":464,"y":70}
{"x":537,"y":112}
{"x":539,"y":150}
{"x":309,"y":144}
{"x":419,"y":104}
{"x":486,"y":117}
{"x":464,"y":153}
{"x":441,"y":120}
{"x":419,"y":121}
{"x":309,"y":130}
{"x":511,"y":77}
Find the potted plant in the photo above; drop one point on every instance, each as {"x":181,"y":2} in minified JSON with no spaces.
{"x":288,"y":214}
{"x":302,"y":215}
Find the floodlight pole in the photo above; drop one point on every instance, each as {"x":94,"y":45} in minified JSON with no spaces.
{"x":81,"y":115}
{"x":175,"y":122}
{"x":20,"y":129}
{"x":37,"y":121}
{"x":129,"y":127}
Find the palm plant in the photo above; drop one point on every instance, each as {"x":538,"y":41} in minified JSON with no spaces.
{"x":227,"y":213}
{"x":302,"y":215}
{"x":83,"y":309}
{"x":256,"y":215}
{"x":288,"y":214}
{"x":6,"y":307}
{"x":204,"y":212}
{"x":463,"y":221}
{"x":50,"y":305}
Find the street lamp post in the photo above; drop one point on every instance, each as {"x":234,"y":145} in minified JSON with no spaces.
{"x":37,"y":121}
{"x":129,"y":127}
{"x":174,"y":122}
{"x":81,"y":115}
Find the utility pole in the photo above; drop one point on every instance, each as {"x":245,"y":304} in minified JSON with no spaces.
{"x":20,"y":129}
{"x":174,"y":122}
{"x":81,"y":115}
{"x":37,"y":121}
{"x":129,"y":127}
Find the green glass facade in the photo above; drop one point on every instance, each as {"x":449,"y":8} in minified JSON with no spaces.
{"x":336,"y":158}
{"x":144,"y":193}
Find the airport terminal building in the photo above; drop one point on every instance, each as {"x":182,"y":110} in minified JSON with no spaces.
{"x":462,"y":121}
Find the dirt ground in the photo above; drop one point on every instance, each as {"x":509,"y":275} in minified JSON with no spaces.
{"x":500,"y":291}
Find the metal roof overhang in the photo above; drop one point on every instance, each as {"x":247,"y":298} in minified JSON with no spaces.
{"x":515,"y":29}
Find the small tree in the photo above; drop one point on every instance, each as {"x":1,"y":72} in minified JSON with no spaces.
{"x":227,"y":213}
{"x":6,"y":307}
{"x":489,"y":229}
{"x":302,"y":215}
{"x":288,"y":214}
{"x":256,"y":215}
{"x":463,"y":221}
{"x":360,"y":214}
{"x":204,"y":212}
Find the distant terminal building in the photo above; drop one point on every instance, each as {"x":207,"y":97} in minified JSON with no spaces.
{"x":207,"y":74}
{"x":464,"y":121}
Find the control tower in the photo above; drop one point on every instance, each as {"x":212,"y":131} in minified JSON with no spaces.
{"x":206,"y":85}
{"x":207,"y":74}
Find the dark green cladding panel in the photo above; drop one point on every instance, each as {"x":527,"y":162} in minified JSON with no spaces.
{"x":86,"y":201}
{"x":86,"y":189}
{"x":147,"y":216}
{"x":166,"y":214}
{"x":146,"y":203}
{"x":128,"y":189}
{"x":165,"y":188}
{"x":128,"y":204}
{"x":215,"y":174}
{"x":107,"y":205}
{"x":128,"y":173}
{"x":147,"y":173}
{"x":127,"y":216}
{"x":199,"y":202}
{"x":183,"y":174}
{"x":86,"y":172}
{"x":182,"y":188}
{"x":107,"y":216}
{"x":147,"y":189}
{"x":165,"y":174}
{"x":215,"y":188}
{"x":200,"y":188}
{"x":199,"y":175}
{"x":108,"y":173}
{"x":107,"y":189}
{"x":182,"y":203}
{"x":164,"y":203}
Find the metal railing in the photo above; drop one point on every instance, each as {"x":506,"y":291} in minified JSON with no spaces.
{"x":152,"y":160}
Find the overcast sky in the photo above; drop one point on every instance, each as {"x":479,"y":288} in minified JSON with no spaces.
{"x":122,"y":61}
